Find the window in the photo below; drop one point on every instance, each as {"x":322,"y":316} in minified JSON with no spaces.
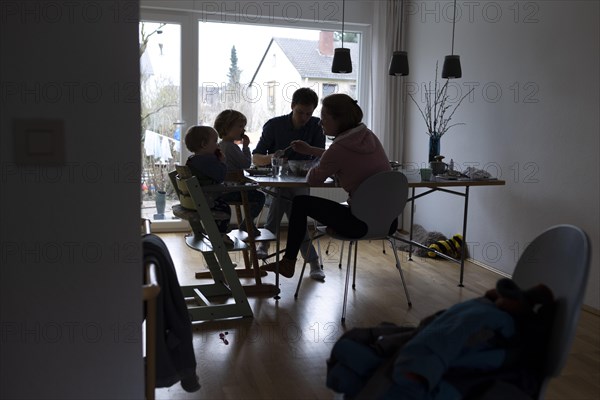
{"x":202,"y":83}
{"x":329,"y":88}
{"x":243,"y":71}
{"x":160,"y":115}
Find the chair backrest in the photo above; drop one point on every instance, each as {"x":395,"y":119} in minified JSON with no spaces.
{"x":379,"y":200}
{"x":560,"y":259}
{"x":177,"y":177}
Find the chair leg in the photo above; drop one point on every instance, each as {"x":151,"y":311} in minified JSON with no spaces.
{"x":347,"y":282}
{"x":355,"y":258}
{"x":341,"y":255}
{"x":399,"y":267}
{"x":300,"y":279}
{"x":383,"y":246}
{"x":302,"y":273}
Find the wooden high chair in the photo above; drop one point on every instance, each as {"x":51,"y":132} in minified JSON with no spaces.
{"x":207,"y":239}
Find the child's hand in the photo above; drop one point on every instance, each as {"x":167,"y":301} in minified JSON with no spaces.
{"x":245,"y":140}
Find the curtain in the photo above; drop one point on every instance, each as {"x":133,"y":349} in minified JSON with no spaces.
{"x":386,"y":92}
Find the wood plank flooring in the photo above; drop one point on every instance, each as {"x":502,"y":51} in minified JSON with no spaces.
{"x":281,"y":352}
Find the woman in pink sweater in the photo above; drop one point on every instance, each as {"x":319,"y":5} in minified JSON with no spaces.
{"x":355,"y":154}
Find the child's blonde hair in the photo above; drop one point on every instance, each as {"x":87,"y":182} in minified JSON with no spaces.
{"x":227,"y":119}
{"x":197,"y":137}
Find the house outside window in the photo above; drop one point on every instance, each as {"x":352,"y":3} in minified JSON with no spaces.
{"x":329,"y":88}
{"x":271,"y":95}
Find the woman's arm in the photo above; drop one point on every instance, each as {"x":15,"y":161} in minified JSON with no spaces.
{"x":302,"y":147}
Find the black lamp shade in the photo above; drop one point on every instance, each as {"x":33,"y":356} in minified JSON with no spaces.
{"x":451,"y":69}
{"x":399,"y":64}
{"x":342,"y":64}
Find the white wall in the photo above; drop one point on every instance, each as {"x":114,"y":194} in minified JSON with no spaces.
{"x":70,"y":275}
{"x":532,"y":121}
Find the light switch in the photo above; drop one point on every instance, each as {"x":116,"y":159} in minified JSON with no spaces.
{"x":39,"y":141}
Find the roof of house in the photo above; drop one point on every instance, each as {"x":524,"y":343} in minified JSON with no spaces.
{"x":305,"y":57}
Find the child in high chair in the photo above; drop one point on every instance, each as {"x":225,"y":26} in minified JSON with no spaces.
{"x":230,"y":125}
{"x":208,"y":165}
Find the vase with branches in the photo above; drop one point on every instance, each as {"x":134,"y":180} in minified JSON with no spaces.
{"x":438,"y":112}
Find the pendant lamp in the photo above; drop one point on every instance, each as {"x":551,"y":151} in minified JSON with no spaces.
{"x":342,"y":63}
{"x":451,"y":68}
{"x":399,"y":61}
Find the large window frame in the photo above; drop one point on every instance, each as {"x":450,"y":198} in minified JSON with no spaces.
{"x":190,"y":64}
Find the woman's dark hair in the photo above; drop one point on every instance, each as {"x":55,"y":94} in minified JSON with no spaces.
{"x":344,"y":109}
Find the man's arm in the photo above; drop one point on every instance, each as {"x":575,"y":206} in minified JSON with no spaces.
{"x":266,"y":142}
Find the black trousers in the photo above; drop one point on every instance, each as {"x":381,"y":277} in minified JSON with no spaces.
{"x":328,"y":212}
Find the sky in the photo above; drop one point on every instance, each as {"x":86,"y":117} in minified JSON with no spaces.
{"x":216,"y":40}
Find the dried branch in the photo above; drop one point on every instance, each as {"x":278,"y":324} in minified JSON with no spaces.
{"x":436,"y":109}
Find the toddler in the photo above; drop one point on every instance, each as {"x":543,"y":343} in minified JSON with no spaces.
{"x":230,"y":125}
{"x":208,"y":165}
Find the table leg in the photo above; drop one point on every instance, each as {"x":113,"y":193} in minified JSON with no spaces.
{"x":277,"y":235}
{"x":412,"y":215}
{"x":463,"y":248}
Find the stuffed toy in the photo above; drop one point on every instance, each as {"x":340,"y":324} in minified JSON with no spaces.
{"x":421,"y":235}
{"x":450,"y":247}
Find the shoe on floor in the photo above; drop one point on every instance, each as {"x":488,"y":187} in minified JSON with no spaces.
{"x":262,"y":251}
{"x":316,"y":272}
{"x":227,"y":240}
{"x":287,"y":267}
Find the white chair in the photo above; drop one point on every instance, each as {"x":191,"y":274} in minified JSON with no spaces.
{"x":560,"y":259}
{"x":377,"y":202}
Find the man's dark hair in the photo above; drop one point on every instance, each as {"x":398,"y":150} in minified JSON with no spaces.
{"x":305,"y":96}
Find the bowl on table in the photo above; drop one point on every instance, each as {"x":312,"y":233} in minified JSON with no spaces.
{"x":300,"y":167}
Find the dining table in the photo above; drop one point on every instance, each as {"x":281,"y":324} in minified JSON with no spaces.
{"x":458,"y":185}
{"x":271,"y":185}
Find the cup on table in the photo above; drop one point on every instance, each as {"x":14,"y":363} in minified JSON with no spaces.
{"x":277,"y":164}
{"x":425,"y":174}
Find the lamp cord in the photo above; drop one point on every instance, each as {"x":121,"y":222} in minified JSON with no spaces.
{"x":453,"y":26}
{"x":401,"y":19}
{"x":343,"y":7}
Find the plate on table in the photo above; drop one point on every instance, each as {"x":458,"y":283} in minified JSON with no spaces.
{"x":261,"y":171}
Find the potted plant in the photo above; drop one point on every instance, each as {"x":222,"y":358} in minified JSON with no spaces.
{"x":437,"y":113}
{"x":158,"y":184}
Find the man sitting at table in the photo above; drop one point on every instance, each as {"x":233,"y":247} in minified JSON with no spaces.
{"x":277,"y":135}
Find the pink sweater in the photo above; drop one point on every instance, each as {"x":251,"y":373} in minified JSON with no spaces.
{"x":352,"y":157}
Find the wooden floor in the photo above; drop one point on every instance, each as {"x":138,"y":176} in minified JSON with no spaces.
{"x":281,"y":352}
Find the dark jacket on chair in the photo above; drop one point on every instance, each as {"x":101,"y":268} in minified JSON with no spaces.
{"x":175,"y":359}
